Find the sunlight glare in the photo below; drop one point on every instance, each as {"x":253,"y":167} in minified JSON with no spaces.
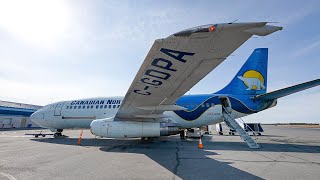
{"x":35,"y":21}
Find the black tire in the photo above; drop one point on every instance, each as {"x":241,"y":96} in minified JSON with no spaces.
{"x":43,"y":135}
{"x":36,"y":136}
{"x":259,"y":134}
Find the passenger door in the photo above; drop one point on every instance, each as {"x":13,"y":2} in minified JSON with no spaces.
{"x":58,"y":108}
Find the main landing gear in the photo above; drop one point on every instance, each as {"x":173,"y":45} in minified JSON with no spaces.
{"x":182,"y":134}
{"x":147,"y":139}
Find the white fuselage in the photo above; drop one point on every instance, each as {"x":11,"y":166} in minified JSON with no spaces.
{"x":80,"y":113}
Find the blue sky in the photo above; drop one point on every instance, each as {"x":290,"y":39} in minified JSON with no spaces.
{"x":60,"y":50}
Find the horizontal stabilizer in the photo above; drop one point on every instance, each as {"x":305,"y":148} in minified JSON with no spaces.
{"x":286,"y":91}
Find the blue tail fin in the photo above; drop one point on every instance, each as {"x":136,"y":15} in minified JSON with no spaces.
{"x":251,"y":79}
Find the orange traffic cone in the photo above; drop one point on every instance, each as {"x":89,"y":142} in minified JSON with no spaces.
{"x":80,"y":137}
{"x":200,"y":146}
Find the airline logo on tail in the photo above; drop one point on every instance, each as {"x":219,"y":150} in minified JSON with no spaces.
{"x":253,"y":80}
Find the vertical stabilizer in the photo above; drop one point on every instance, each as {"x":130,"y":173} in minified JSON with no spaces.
{"x":251,"y":79}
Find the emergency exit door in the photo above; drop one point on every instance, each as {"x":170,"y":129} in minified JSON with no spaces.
{"x":58,"y":108}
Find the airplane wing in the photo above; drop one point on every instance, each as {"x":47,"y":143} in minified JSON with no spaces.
{"x":176,"y":63}
{"x":286,"y":91}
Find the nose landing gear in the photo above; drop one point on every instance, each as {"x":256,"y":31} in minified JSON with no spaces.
{"x":58,"y":133}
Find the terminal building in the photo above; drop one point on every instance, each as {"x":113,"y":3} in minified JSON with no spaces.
{"x":16,"y":115}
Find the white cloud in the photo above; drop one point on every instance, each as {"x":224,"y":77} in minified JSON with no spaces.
{"x":310,"y":47}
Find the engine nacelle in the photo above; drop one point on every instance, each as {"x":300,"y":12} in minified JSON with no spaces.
{"x":121,"y":129}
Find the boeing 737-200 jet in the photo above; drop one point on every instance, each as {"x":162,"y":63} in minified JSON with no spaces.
{"x":155,"y":104}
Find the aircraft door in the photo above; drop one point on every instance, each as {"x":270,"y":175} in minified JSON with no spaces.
{"x":225,"y":102}
{"x":58,"y":108}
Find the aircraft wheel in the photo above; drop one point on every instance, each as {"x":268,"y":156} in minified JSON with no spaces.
{"x":58,"y":134}
{"x":36,"y":136}
{"x":147,"y":139}
{"x":259,"y":134}
{"x":43,"y":135}
{"x":182,"y":136}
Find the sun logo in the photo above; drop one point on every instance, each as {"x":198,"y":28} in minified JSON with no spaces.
{"x":253,"y":80}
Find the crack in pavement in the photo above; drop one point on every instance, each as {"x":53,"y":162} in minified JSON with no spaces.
{"x":175,"y":169}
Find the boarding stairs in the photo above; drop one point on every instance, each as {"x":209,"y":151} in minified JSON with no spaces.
{"x":231,"y":122}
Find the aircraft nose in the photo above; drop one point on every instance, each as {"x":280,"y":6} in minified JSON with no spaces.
{"x":95,"y":127}
{"x":36,"y":118}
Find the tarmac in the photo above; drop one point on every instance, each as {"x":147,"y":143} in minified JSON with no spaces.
{"x":285,"y":153}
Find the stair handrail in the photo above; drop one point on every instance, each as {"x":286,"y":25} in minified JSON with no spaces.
{"x":225,"y":110}
{"x":256,"y":137}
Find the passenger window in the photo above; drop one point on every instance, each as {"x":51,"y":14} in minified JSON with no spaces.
{"x":212,"y":104}
{"x":88,"y":107}
{"x":75,"y":107}
{"x":105,"y":106}
{"x":110,"y":106}
{"x":208,"y":105}
{"x":67,"y":107}
{"x":101,"y":106}
{"x":91,"y":106}
{"x":114,"y":106}
{"x":79,"y":107}
{"x":202,"y":105}
{"x":97,"y":106}
{"x":83,"y":107}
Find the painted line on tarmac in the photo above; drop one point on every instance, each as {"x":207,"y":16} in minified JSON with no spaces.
{"x":8,"y":176}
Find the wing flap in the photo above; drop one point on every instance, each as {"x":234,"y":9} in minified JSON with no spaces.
{"x":162,"y":108}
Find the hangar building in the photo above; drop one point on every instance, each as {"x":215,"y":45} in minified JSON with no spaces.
{"x":16,"y":115}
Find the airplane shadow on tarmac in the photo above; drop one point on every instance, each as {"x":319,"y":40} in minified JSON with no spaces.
{"x":182,"y":157}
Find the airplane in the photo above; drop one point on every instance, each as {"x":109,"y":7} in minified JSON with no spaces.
{"x":155,"y":104}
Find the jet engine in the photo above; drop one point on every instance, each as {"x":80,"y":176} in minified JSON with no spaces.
{"x":120,"y":129}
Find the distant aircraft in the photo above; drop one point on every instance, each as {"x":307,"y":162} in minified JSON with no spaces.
{"x":154,"y":104}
